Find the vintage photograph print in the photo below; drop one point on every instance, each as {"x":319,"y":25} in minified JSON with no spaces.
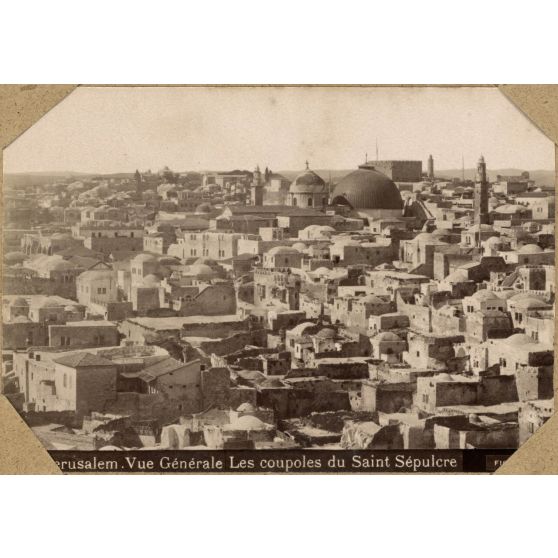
{"x":279,"y":279}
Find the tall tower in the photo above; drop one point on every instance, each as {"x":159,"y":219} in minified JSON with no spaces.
{"x":481,"y":194}
{"x":256,"y":193}
{"x":430,"y":167}
{"x":137,"y":178}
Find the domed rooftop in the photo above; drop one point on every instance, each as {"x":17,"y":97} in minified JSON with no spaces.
{"x":346,"y":241}
{"x":246,"y":408}
{"x":321,"y":271}
{"x":300,"y":246}
{"x":519,"y":339}
{"x":50,"y":303}
{"x":272,"y":383}
{"x":425,"y":237}
{"x":507,"y":294}
{"x":206,"y":261}
{"x":485,"y":294}
{"x":479,"y":228}
{"x":530,"y":249}
{"x":510,"y":208}
{"x":201,"y":269}
{"x":203,"y":208}
{"x":457,"y":276}
{"x":61,"y":236}
{"x":441,"y":234}
{"x":299,"y":329}
{"x":384,"y":266}
{"x":151,"y":279}
{"x":522,"y":295}
{"x":141,"y":258}
{"x":282,"y":250}
{"x":367,"y":188}
{"x":248,"y":422}
{"x":371,"y":299}
{"x":388,"y":336}
{"x":308,"y":182}
{"x":529,"y":303}
{"x":494,"y":241}
{"x":326,"y":333}
{"x":15,"y":257}
{"x":96,"y":274}
{"x":168,"y":260}
{"x":60,"y":265}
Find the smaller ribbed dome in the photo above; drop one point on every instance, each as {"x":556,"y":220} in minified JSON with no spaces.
{"x":307,"y":182}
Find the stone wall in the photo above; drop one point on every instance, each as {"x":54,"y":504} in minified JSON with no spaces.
{"x":215,"y":387}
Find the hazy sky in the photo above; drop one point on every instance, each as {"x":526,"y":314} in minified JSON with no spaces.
{"x":102,"y":130}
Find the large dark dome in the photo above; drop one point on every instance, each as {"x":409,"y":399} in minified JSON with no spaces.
{"x":367,"y":188}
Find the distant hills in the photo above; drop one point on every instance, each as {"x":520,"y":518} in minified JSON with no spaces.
{"x":541,"y":177}
{"x":31,"y":179}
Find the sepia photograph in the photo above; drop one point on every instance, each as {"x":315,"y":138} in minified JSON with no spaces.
{"x":280,"y":279}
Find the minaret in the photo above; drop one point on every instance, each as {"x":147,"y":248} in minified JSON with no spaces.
{"x":430,"y":167}
{"x":137,"y":178}
{"x":256,"y":193}
{"x":481,"y":194}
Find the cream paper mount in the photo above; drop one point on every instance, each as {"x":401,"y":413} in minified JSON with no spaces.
{"x":23,"y":105}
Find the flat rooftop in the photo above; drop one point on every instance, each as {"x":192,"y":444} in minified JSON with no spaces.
{"x":177,"y":322}
{"x":88,"y":323}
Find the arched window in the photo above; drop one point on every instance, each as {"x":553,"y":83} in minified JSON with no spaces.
{"x":294,"y":201}
{"x":310,"y":201}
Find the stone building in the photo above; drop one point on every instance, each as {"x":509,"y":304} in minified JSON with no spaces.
{"x":97,"y":287}
{"x":532,"y":415}
{"x":308,"y":190}
{"x":75,"y":334}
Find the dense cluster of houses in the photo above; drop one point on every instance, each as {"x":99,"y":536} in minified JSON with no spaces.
{"x":389,"y":309}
